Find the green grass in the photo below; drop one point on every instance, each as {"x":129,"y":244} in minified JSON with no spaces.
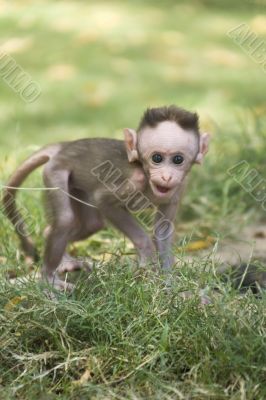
{"x":134,"y":338}
{"x":122,"y":336}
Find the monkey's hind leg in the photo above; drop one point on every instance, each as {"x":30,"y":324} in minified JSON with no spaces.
{"x":63,"y":225}
{"x":88,"y":221}
{"x":70,"y":263}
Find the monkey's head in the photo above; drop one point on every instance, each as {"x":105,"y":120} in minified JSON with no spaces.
{"x":167,"y":143}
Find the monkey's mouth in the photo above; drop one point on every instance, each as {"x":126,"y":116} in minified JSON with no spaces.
{"x":162,"y":189}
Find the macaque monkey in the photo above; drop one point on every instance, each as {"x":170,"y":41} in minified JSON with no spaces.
{"x":92,"y":181}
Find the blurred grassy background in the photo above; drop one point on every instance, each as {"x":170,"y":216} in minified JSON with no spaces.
{"x":100,"y":64}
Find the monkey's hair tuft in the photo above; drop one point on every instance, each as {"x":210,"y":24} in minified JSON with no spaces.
{"x":153,"y":116}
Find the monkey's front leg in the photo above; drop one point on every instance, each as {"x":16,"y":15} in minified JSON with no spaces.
{"x":163,"y":236}
{"x":164,"y":233}
{"x":128,"y":225}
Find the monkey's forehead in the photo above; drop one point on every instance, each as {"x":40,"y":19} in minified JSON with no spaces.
{"x":168,"y":137}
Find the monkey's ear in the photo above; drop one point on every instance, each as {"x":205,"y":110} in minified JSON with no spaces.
{"x":131,"y":144}
{"x":203,"y":147}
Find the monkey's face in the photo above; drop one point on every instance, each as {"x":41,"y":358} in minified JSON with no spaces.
{"x":167,"y":153}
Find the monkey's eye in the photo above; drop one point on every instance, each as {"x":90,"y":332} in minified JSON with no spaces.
{"x":178,"y":159}
{"x":157,"y":158}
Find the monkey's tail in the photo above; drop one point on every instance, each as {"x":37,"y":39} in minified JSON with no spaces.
{"x":37,"y":159}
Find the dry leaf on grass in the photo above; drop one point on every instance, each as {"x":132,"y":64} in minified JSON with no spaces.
{"x":11,"y":304}
{"x":85,"y":377}
{"x":197,"y":245}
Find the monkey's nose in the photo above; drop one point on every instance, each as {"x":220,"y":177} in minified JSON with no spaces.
{"x":166,"y":178}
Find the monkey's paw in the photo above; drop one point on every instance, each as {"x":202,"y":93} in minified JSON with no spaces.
{"x":58,"y":284}
{"x":70,"y":264}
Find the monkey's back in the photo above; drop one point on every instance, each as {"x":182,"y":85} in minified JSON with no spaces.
{"x":95,"y":150}
{"x":83,"y":157}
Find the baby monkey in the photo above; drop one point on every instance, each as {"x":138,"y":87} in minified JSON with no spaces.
{"x":92,"y":181}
